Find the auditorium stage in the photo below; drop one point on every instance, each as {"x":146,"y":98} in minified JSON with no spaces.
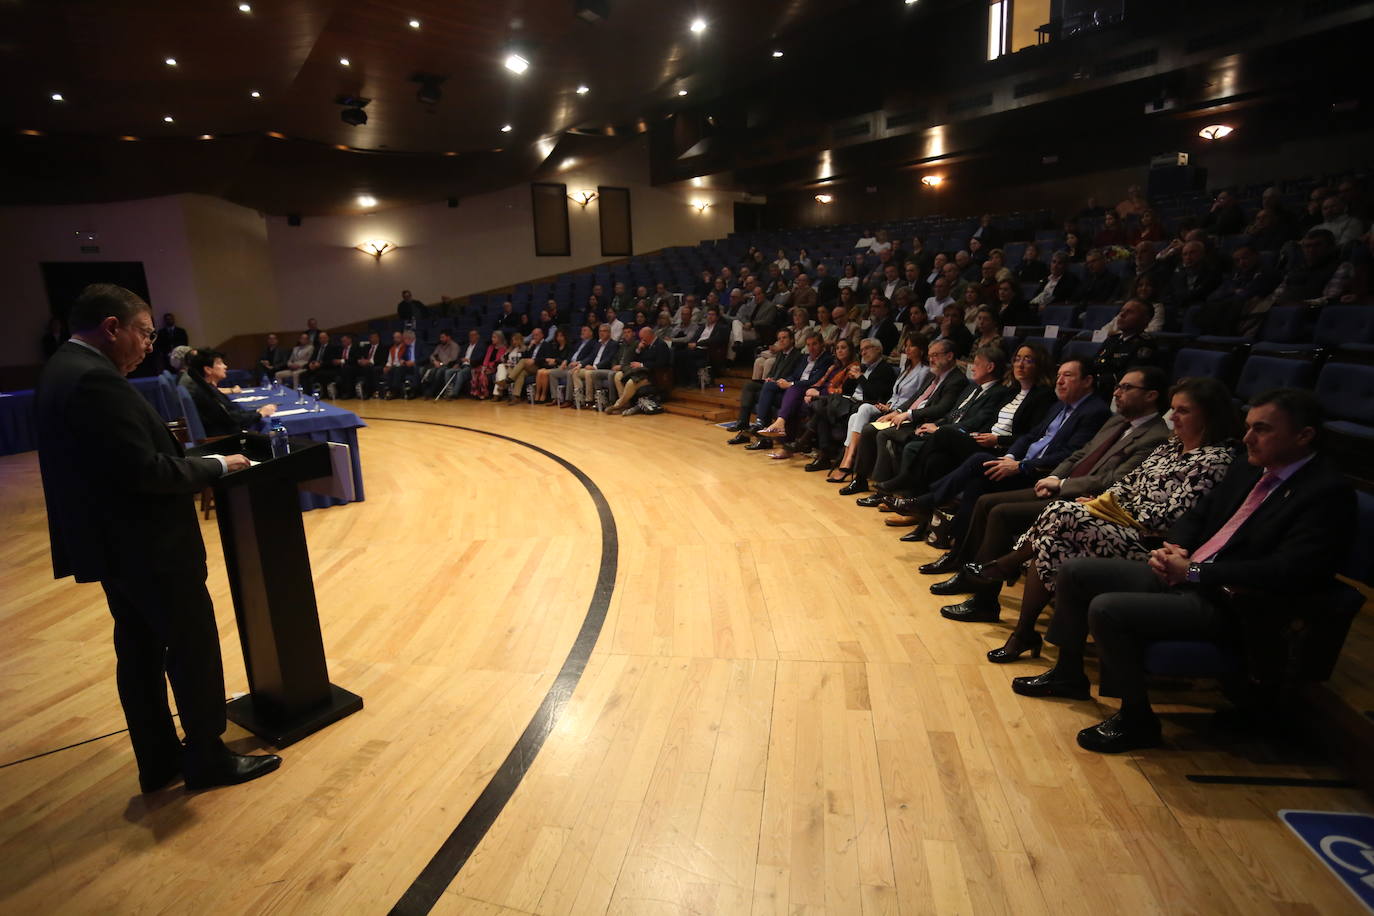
{"x":769,"y":713}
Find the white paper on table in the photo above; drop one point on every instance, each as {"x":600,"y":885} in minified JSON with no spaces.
{"x":290,"y":413}
{"x":1099,"y":335}
{"x":261,"y":397}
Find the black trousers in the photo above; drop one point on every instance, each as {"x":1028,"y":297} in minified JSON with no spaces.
{"x":1126,"y":608}
{"x":887,"y":450}
{"x":969,"y":483}
{"x":164,"y":630}
{"x":998,"y":519}
{"x":748,"y":397}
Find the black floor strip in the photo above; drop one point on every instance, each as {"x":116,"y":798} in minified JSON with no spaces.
{"x":439,"y":873}
{"x":1298,"y":782}
{"x":65,"y":748}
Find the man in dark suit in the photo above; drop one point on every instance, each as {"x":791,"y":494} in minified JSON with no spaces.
{"x":219,"y":415}
{"x":362,"y":376}
{"x":336,"y":359}
{"x":787,"y":363}
{"x":310,"y":378}
{"x":708,"y":348}
{"x":121,"y":512}
{"x":1099,"y":284}
{"x":1078,"y":417}
{"x":882,"y":326}
{"x":650,"y":355}
{"x":870,"y":381}
{"x":273,"y":358}
{"x":169,"y":337}
{"x":1124,"y":441}
{"x":1276,"y":525}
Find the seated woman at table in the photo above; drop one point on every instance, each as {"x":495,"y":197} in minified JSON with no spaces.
{"x":482,"y":375}
{"x":219,"y":415}
{"x":1122,"y":522}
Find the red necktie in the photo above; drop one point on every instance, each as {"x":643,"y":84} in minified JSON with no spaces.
{"x":1090,"y":461}
{"x":1263,"y":487}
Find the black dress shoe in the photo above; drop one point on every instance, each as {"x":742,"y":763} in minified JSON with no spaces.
{"x":857,"y":485}
{"x":957,"y":584}
{"x":1052,"y":684}
{"x":947,"y":563}
{"x":1120,"y":733}
{"x":914,"y":535}
{"x":151,"y":780}
{"x":758,"y":445}
{"x":222,"y":767}
{"x":820,"y":464}
{"x":903,"y":504}
{"x":1016,"y":646}
{"x":739,"y":439}
{"x":869,"y":502}
{"x":981,"y":608}
{"x":733,"y":428}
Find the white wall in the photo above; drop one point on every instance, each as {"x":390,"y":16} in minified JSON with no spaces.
{"x":486,"y":242}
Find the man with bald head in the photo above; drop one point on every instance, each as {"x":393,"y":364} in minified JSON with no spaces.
{"x":651,"y":354}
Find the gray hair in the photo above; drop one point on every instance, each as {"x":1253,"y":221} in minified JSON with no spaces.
{"x":177,"y":358}
{"x":871,"y":342}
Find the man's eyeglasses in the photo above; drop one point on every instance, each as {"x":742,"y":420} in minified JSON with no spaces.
{"x":149,"y":334}
{"x":1122,"y":386}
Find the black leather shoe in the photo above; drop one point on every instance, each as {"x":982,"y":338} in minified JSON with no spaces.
{"x":947,"y":563}
{"x":152,"y":780}
{"x":758,"y":445}
{"x":958,"y":584}
{"x":739,"y":439}
{"x":1016,"y":646}
{"x":869,"y":502}
{"x":820,"y":464}
{"x":981,"y":608}
{"x":222,"y":767}
{"x":914,"y":535}
{"x":988,"y":573}
{"x":904,"y":504}
{"x":1117,"y":734}
{"x":857,"y":485}
{"x":1052,"y":684}
{"x":733,"y":428}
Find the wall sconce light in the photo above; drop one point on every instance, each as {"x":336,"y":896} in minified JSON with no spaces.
{"x":375,"y":247}
{"x":1215,"y":131}
{"x":701,"y":205}
{"x":583,"y":197}
{"x":824,"y":198}
{"x":932,"y":181}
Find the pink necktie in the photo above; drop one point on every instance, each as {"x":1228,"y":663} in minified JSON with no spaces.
{"x":1216,"y":542}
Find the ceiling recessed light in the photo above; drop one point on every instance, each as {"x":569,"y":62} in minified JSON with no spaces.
{"x":682,"y":92}
{"x":698,"y":26}
{"x":245,"y":8}
{"x":823,"y":198}
{"x":777,"y":54}
{"x":414,"y":23}
{"x":206,"y":137}
{"x":506,"y":129}
{"x":171,"y":61}
{"x":167,"y":119}
{"x":57,"y":97}
{"x":932,"y":181}
{"x":344,"y":62}
{"x":583,"y":90}
{"x":910,"y":2}
{"x":451,"y":153}
{"x":255,"y":94}
{"x":30,"y":132}
{"x":128,"y":138}
{"x":367,"y":200}
{"x":1215,"y":131}
{"x":516,"y":64}
{"x":276,"y":135}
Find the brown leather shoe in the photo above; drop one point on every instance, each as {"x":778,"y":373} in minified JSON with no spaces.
{"x":885,"y":508}
{"x":901,"y":521}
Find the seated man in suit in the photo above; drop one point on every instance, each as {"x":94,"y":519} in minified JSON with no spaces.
{"x":1099,"y":284}
{"x":310,"y":378}
{"x":219,"y":415}
{"x":1129,"y":347}
{"x":273,"y":358}
{"x":1276,"y":525}
{"x":454,"y":378}
{"x":706,"y":347}
{"x":566,"y":373}
{"x":881,"y":325}
{"x":598,"y":365}
{"x":405,"y":368}
{"x":336,"y":358}
{"x":362,"y":375}
{"x":870,"y":381}
{"x":443,"y":358}
{"x":298,"y":361}
{"x":1000,"y":518}
{"x":1067,"y":427}
{"x":651,"y":354}
{"x":787,"y":363}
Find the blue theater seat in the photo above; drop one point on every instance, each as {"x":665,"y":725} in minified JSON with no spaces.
{"x":1264,"y":373}
{"x":1191,"y":362}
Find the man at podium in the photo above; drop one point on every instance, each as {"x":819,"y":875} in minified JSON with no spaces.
{"x":121,"y":512}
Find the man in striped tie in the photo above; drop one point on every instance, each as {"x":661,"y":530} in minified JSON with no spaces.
{"x":1277,"y":525}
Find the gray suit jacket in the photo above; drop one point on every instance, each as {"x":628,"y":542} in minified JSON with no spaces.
{"x":1120,"y":460}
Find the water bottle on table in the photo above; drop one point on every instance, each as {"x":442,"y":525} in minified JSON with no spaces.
{"x":277,"y":437}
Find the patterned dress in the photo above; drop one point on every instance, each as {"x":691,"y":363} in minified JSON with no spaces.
{"x":1165,"y":485}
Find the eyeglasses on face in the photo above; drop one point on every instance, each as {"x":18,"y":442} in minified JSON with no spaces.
{"x":1122,"y":386}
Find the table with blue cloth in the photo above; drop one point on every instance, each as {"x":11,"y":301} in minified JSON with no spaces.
{"x":329,"y":424}
{"x":17,"y":432}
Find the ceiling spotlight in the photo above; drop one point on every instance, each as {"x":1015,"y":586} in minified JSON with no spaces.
{"x":255,"y":94}
{"x":583,"y":90}
{"x":167,"y":119}
{"x":824,"y":198}
{"x":367,"y":200}
{"x":57,"y":97}
{"x":516,"y":64}
{"x":506,"y":129}
{"x":171,"y":61}
{"x":1215,"y":131}
{"x":698,"y":26}
{"x":245,"y":8}
{"x":414,"y":23}
{"x":344,"y":62}
{"x":777,"y":54}
{"x":932,"y":181}
{"x":682,"y":92}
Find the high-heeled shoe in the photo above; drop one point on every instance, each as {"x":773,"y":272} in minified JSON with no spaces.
{"x":1016,"y":646}
{"x":819,"y":464}
{"x":772,"y":433}
{"x":845,"y":474}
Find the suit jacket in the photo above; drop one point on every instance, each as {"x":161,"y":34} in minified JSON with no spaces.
{"x":790,"y":365}
{"x":978,"y":415}
{"x":479,"y":353}
{"x":609,"y":356}
{"x":950,"y":392}
{"x":119,"y":489}
{"x":823,"y":364}
{"x":275,"y":357}
{"x":1031,"y":411}
{"x":886,"y":332}
{"x":546,"y":350}
{"x":219,"y":415}
{"x":1122,"y":458}
{"x":877,"y":386}
{"x":1294,"y":542}
{"x":1096,"y":287}
{"x":1081,"y":426}
{"x":719,"y":339}
{"x":584,"y":351}
{"x":655,"y":356}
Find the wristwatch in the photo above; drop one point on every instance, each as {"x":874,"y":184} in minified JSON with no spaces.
{"x":1194,"y":573}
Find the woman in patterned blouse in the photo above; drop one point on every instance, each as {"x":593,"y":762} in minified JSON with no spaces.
{"x":1142,"y":505}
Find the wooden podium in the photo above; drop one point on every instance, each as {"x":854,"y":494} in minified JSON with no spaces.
{"x":268,"y":563}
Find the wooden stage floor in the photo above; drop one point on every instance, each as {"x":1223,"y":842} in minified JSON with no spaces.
{"x":774,"y":719}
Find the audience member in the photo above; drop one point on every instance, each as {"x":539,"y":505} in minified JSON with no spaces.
{"x":299,"y":360}
{"x":442,"y":359}
{"x":273,"y":358}
{"x":650,"y":355}
{"x":409,"y":309}
{"x":364,"y":376}
{"x":484,"y":373}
